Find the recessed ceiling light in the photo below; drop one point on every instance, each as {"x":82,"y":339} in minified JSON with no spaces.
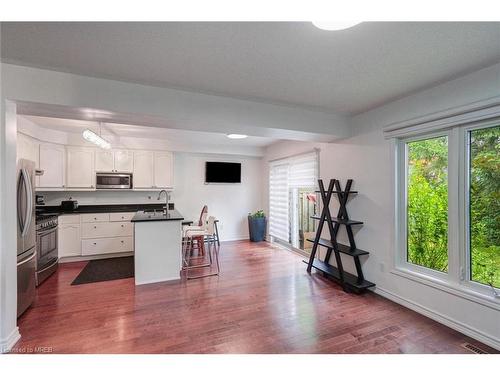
{"x":335,"y":25}
{"x":236,"y":136}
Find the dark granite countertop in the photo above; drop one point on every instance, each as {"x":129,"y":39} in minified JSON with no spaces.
{"x":94,"y":209}
{"x":156,"y":216}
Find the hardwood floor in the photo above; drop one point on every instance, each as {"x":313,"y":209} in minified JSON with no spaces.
{"x":263,"y":302}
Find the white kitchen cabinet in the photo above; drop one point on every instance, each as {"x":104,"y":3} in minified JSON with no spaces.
{"x":108,"y":229}
{"x":143,"y":169}
{"x":124,"y":161}
{"x":99,"y":246}
{"x":163,"y":170}
{"x":104,"y":161}
{"x":69,"y":241}
{"x":53,"y":164}
{"x":29,"y":148}
{"x":114,"y":161}
{"x":80,"y":167}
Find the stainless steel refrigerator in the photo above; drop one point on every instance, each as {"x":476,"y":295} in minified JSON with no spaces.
{"x":26,"y":236}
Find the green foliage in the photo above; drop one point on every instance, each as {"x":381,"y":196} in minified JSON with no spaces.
{"x":257,"y":214}
{"x":428,"y":203}
{"x":485,"y":205}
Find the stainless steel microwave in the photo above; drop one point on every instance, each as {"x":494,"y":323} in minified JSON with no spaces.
{"x":113,"y":181}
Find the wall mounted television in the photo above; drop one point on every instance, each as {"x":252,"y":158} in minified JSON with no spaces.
{"x":222,"y":173}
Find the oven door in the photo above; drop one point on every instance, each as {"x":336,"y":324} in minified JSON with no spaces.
{"x":113,"y":181}
{"x":46,"y":247}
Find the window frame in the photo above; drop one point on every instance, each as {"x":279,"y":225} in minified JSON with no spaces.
{"x":458,"y":278}
{"x":465,"y":251}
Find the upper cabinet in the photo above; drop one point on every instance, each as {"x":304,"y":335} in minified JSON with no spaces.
{"x":104,"y":161}
{"x":143,"y":170}
{"x":75,"y":167}
{"x":114,"y":161}
{"x":27,"y":148}
{"x":80,"y":167}
{"x":153,"y":170}
{"x":53,"y":164}
{"x":163,"y":170}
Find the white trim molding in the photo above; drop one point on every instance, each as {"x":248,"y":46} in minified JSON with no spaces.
{"x":7,"y":343}
{"x":477,"y":111}
{"x":441,"y":318}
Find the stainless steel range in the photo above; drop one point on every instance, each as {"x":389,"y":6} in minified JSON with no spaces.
{"x":47,"y":256}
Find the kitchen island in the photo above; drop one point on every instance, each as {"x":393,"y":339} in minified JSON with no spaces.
{"x":158,"y":246}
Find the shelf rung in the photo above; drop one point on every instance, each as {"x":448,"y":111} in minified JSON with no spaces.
{"x":349,"y":279}
{"x":337,"y":191}
{"x":339,"y":221}
{"x":340,"y":247}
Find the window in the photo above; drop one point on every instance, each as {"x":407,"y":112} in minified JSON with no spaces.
{"x":448,"y":206}
{"x":292,"y":200}
{"x":484,"y":205}
{"x":427,"y":203}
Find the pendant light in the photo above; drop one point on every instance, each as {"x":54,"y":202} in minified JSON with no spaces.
{"x":92,"y":137}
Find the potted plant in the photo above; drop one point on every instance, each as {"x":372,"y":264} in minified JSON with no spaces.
{"x":257,"y":226}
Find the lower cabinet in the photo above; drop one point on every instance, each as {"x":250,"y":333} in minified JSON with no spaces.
{"x":68,"y":240}
{"x":95,"y":234}
{"x":97,"y":246}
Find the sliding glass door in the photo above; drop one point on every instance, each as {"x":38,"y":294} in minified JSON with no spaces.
{"x":292,"y":201}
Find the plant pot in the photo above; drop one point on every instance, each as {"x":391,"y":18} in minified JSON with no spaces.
{"x":257,"y":228}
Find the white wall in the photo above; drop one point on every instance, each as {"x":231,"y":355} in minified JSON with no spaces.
{"x":230,"y":203}
{"x":366,"y":157}
{"x":9,"y":332}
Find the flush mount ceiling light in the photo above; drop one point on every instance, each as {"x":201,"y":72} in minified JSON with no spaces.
{"x":237,"y":136}
{"x":90,"y":136}
{"x":335,"y":25}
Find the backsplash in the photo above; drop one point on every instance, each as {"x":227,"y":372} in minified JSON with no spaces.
{"x":54,"y":198}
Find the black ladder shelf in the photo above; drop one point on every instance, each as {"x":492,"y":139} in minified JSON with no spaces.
{"x":348,"y":281}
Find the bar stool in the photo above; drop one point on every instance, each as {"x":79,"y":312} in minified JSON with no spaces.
{"x":207,"y":233}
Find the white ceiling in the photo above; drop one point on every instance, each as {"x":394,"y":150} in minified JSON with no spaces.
{"x":347,"y":71}
{"x":136,"y":131}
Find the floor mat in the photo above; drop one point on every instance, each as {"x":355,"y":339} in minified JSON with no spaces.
{"x":105,"y":270}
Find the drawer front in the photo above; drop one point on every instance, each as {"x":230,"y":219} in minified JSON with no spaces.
{"x":109,"y":229}
{"x":107,"y":245}
{"x":121,"y":216}
{"x":68,"y":219}
{"x":94,"y":218}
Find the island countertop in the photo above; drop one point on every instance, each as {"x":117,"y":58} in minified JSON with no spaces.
{"x":156,"y":215}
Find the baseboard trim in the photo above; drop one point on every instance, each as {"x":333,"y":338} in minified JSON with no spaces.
{"x":235,"y":239}
{"x":443,"y":319}
{"x":8,"y":343}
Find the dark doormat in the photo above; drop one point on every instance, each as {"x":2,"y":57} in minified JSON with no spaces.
{"x":105,"y":270}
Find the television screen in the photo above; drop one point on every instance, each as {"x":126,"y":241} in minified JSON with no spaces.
{"x":220,"y":172}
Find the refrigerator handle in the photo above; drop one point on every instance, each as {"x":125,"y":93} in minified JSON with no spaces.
{"x":26,"y":260}
{"x":20,"y":220}
{"x":29,"y":205}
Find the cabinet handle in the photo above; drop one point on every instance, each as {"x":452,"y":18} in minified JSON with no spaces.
{"x":122,"y":225}
{"x":122,"y":241}
{"x":95,"y":227}
{"x":95,"y":243}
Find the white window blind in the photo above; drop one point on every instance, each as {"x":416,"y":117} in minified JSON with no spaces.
{"x":278,"y":202}
{"x":285,"y":174}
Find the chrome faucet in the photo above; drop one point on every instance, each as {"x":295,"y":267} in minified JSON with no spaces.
{"x":167,"y":197}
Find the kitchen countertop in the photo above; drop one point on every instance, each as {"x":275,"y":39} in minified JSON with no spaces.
{"x":94,"y":209}
{"x":157,"y":216}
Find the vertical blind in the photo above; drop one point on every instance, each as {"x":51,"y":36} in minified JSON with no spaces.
{"x":285,"y":174}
